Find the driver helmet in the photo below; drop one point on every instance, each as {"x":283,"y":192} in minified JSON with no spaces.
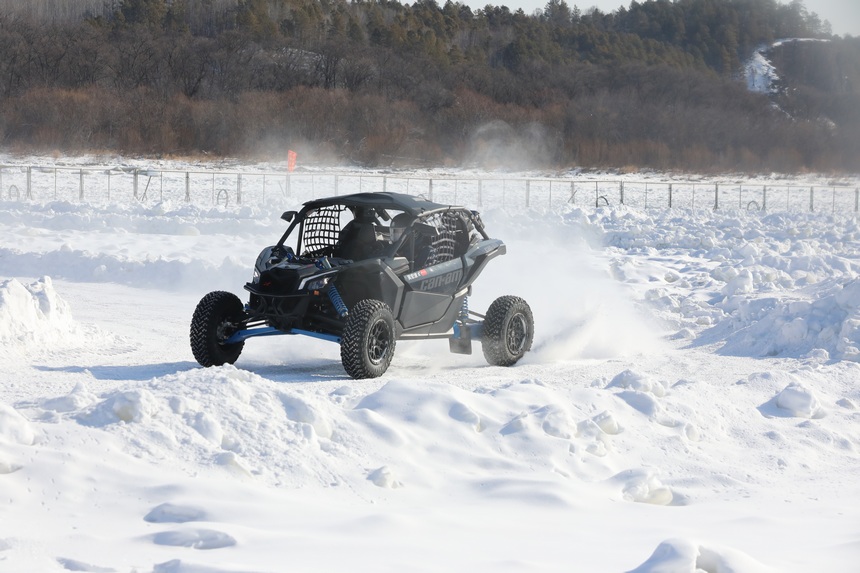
{"x":364,"y":215}
{"x":399,"y":224}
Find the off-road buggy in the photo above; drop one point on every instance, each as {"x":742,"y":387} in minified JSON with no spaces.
{"x":364,"y":271}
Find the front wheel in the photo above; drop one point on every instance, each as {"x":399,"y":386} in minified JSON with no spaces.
{"x":367,"y":346}
{"x":509,"y":329}
{"x":218,"y":315}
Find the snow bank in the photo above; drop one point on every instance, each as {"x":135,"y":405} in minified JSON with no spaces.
{"x":33,"y":314}
{"x":158,"y":246}
{"x":36,"y":320}
{"x":680,"y":555}
{"x":776,"y":285}
{"x":830,"y":324}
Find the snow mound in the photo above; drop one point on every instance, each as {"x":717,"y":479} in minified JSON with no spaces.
{"x":250,"y":428}
{"x":682,"y":556}
{"x":830,"y":323}
{"x":643,"y":486}
{"x":800,"y":401}
{"x":638,"y":382}
{"x":15,"y":428}
{"x":195,"y":539}
{"x":80,"y":397}
{"x":35,"y":319}
{"x":33,"y":314}
{"x":173,"y":513}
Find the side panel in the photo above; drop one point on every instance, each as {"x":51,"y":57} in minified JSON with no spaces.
{"x":370,"y":279}
{"x":423,"y":308}
{"x":429,"y":296}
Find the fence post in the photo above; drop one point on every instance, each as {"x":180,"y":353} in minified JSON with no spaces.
{"x":239,"y":189}
{"x":670,"y":195}
{"x":856,"y":200}
{"x":622,"y":192}
{"x":29,"y":183}
{"x":188,"y":187}
{"x":81,"y":197}
{"x":716,"y":196}
{"x":811,"y":199}
{"x":528,"y":191}
{"x":136,"y":173}
{"x":764,"y":199}
{"x":431,"y":191}
{"x":596,"y":196}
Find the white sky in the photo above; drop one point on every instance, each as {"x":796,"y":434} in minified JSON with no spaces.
{"x":843,"y":15}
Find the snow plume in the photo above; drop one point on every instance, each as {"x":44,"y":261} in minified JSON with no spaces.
{"x":581,"y":311}
{"x":498,"y":145}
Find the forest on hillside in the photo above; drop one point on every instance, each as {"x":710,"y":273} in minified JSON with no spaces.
{"x":377,"y":82}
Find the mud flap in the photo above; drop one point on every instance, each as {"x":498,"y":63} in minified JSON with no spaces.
{"x":461,"y":341}
{"x":460,"y":345}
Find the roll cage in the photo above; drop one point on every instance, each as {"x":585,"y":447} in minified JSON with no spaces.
{"x":437,"y":233}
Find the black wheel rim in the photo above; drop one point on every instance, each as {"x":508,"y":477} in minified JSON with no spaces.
{"x":224,"y":331}
{"x":517,"y":334}
{"x":378,"y":342}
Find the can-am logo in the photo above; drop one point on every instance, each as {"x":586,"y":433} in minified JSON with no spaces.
{"x":442,"y":280}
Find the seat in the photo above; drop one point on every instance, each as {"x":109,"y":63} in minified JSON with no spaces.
{"x":356,"y":241}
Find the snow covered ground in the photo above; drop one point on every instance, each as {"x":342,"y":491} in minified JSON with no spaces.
{"x":692,"y":403}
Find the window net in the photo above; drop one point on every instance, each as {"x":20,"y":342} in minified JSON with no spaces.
{"x":321,"y":231}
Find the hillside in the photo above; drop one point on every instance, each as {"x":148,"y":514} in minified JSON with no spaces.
{"x":655,"y":85}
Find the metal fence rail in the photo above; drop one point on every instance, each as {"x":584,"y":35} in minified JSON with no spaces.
{"x":117,"y":185}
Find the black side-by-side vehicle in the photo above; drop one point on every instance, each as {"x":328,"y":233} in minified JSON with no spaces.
{"x":366,"y":270}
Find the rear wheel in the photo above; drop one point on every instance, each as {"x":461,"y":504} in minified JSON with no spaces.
{"x":508,"y":332}
{"x":368,"y":342}
{"x":218,"y":315}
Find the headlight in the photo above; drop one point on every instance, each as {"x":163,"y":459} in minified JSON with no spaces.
{"x":256,"y":278}
{"x":317,"y":284}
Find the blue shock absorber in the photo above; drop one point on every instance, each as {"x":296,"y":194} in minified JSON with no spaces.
{"x":460,"y":325}
{"x":338,"y":303}
{"x":464,"y":309}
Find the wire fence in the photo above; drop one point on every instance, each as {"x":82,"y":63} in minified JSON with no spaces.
{"x":117,"y":185}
